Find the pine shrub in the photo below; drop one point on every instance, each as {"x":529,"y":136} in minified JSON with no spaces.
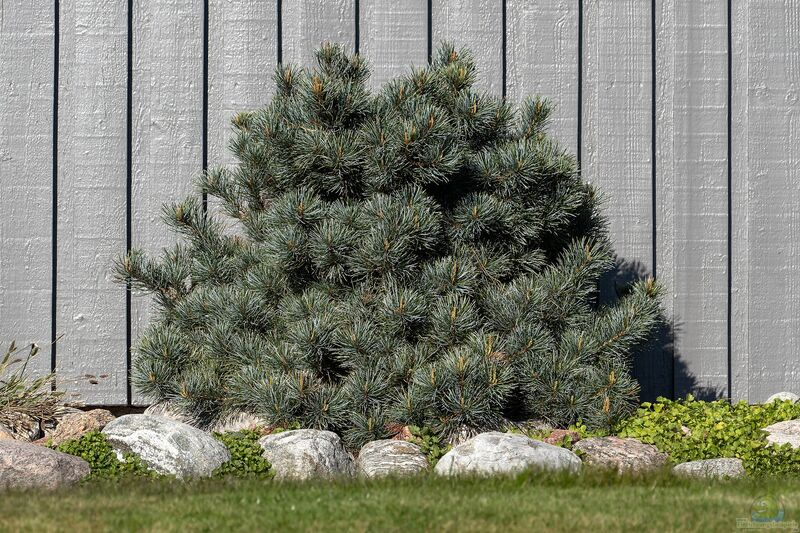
{"x":421,"y":255}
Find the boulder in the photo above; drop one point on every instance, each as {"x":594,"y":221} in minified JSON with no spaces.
{"x":75,"y":425}
{"x":557,"y":436}
{"x":502,"y":453}
{"x":711,"y":468}
{"x":6,"y":434}
{"x":786,"y":432}
{"x":27,"y":466}
{"x":307,"y":454}
{"x":624,"y":455}
{"x":167,"y":446}
{"x":238,"y":421}
{"x":391,"y":458}
{"x":783,"y":396}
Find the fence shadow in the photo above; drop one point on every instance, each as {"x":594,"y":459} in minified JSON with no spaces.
{"x":660,"y":370}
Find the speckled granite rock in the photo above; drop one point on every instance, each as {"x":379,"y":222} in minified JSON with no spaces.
{"x":621,"y":454}
{"x":786,"y":432}
{"x":75,"y":425}
{"x":391,"y":458}
{"x":167,"y":446}
{"x":711,"y":468}
{"x":307,"y":454}
{"x":783,"y":396}
{"x":503,"y":453}
{"x":27,"y":466}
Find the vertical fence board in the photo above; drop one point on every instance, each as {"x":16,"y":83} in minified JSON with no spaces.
{"x":92,"y":200}
{"x":768,"y":165}
{"x":617,"y":149}
{"x":669,"y":91}
{"x":167,"y":122}
{"x":690,"y":222}
{"x":242,"y":54}
{"x":394,"y":36}
{"x":307,"y":24}
{"x":740,"y":255}
{"x":26,"y":127}
{"x":478,"y":25}
{"x":543,"y":59}
{"x":692,"y":190}
{"x":617,"y":121}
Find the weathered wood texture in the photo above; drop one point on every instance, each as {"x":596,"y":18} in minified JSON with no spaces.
{"x":617,"y":121}
{"x":242,"y":55}
{"x":90,"y":306}
{"x":734,"y":317}
{"x":691,"y":189}
{"x":394,"y":36}
{"x":308,"y":23}
{"x":475,"y":24}
{"x":543,"y":59}
{"x":766,"y":195}
{"x":26,"y":175}
{"x":167,"y":84}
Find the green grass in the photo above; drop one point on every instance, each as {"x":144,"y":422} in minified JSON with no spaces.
{"x":529,"y":502}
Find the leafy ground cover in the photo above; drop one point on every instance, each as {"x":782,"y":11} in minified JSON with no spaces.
{"x":528,"y":502}
{"x":690,"y":429}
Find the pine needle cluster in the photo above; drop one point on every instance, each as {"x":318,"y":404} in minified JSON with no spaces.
{"x":420,"y":255}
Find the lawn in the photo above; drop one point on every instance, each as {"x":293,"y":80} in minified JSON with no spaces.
{"x":529,"y":502}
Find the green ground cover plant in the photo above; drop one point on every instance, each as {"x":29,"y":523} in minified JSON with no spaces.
{"x":430,"y":443}
{"x":424,"y":254}
{"x":95,"y":450}
{"x":246,"y":459}
{"x":528,"y":502}
{"x":691,"y":429}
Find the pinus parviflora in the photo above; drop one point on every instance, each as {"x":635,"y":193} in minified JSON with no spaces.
{"x":421,"y":254}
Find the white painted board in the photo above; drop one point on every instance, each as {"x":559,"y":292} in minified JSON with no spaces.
{"x":766,"y":195}
{"x":167,"y":123}
{"x":307,"y":24}
{"x":478,"y":25}
{"x":394,"y":36}
{"x":26,"y":175}
{"x":692,"y":190}
{"x":543,"y":59}
{"x":92,"y":200}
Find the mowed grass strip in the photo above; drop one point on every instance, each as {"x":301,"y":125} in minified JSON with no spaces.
{"x":528,"y":502}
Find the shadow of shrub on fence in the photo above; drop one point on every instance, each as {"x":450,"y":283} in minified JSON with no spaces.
{"x":660,"y":370}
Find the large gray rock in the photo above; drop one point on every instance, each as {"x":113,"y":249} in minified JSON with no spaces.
{"x":711,"y":468}
{"x":391,"y":458}
{"x":27,"y":466}
{"x":501,"y":453}
{"x":167,"y":446}
{"x":307,"y":454}
{"x":786,"y":432}
{"x":75,"y":425}
{"x":783,"y":396}
{"x":623,"y":455}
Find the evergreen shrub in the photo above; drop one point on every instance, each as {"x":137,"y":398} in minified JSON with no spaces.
{"x":423,"y":254}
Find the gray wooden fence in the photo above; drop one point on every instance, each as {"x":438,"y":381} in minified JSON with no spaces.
{"x":685,"y":112}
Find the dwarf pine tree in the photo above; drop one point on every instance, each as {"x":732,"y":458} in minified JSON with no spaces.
{"x":424,"y":254}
